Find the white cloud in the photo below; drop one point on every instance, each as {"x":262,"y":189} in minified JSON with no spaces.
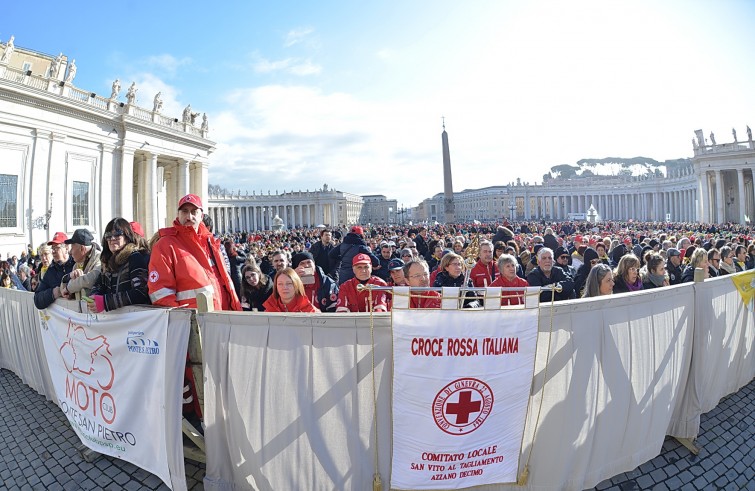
{"x":263,"y":65}
{"x":167,"y":63}
{"x":306,"y":68}
{"x":300,"y":137}
{"x":296,"y":36}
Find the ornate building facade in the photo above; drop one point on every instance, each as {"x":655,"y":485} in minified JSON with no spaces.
{"x":70,"y":158}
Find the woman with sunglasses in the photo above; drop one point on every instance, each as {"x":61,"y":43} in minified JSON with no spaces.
{"x":125,"y":262}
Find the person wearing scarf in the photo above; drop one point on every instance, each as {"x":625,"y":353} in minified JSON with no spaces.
{"x":626,"y":276}
{"x":726,"y":265}
{"x":653,"y":274}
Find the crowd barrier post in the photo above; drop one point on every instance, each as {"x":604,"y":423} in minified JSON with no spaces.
{"x":197,"y":453}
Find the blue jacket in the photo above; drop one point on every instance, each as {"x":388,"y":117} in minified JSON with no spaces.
{"x":327,"y":294}
{"x":44,"y":297}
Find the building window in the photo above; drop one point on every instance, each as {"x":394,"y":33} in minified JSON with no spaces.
{"x":8,"y":198}
{"x":80,"y":203}
{"x":26,"y":67}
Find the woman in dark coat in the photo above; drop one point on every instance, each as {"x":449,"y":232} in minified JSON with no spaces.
{"x":125,"y":265}
{"x":255,"y":288}
{"x":451,"y":274}
{"x":237,"y":261}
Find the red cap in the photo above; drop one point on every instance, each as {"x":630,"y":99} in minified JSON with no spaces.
{"x":361,"y":259}
{"x":356,"y":229}
{"x":58,"y":238}
{"x":137,"y":228}
{"x":191,"y":199}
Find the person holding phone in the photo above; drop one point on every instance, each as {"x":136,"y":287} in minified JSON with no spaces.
{"x":319,"y":288}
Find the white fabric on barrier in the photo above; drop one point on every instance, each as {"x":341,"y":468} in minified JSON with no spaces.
{"x":118,"y":379}
{"x":461,"y":384}
{"x":288,"y":401}
{"x":21,"y":349}
{"x":723,"y":359}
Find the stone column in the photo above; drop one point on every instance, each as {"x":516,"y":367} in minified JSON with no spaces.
{"x":149,"y":200}
{"x":704,"y":193}
{"x":182,"y":179}
{"x":741,"y":195}
{"x":719,"y":197}
{"x":126,"y":184}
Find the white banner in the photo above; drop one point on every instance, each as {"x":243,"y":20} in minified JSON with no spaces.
{"x":461,"y":382}
{"x":109,"y":374}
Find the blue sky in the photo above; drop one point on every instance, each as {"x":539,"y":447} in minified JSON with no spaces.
{"x":351,"y":93}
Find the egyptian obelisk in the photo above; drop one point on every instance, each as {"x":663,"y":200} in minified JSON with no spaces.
{"x":448,"y":187}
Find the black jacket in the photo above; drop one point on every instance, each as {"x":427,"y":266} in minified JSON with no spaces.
{"x":674,"y":273}
{"x":327,"y":294}
{"x":123,"y":281}
{"x":342,"y":256}
{"x":538,"y":278}
{"x":444,"y":279}
{"x":688,"y":276}
{"x":255,"y":297}
{"x":44,"y":297}
{"x":320,"y":253}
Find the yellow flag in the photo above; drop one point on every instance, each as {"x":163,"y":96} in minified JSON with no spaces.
{"x":745,"y":284}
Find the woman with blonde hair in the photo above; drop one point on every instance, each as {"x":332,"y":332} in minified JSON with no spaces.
{"x":288,"y":294}
{"x":699,"y":259}
{"x":627,"y":275}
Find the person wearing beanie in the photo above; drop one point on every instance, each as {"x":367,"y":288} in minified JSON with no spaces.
{"x":562,"y":261}
{"x":319,"y":288}
{"x":591,"y":259}
{"x":616,"y":254}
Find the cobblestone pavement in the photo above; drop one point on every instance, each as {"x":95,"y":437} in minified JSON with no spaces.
{"x":726,"y":461}
{"x":38,"y":451}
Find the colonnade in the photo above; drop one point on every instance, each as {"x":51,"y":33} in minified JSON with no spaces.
{"x":727,"y":195}
{"x":678,"y":205}
{"x":245,"y":217}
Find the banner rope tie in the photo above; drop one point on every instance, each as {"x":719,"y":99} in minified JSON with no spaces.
{"x":377,"y":483}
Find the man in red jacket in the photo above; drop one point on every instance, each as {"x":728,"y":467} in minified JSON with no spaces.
{"x":350,"y":299}
{"x":186,"y":260}
{"x":483,"y":273}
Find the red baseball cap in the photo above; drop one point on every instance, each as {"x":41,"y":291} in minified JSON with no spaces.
{"x":356,"y":229}
{"x":361,"y":259}
{"x":191,"y":199}
{"x":137,"y":228}
{"x":58,"y":238}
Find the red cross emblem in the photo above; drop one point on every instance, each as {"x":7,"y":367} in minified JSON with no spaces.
{"x":462,"y":406}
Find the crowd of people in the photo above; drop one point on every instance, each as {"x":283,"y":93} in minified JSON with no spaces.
{"x":320,"y":269}
{"x":326,"y":269}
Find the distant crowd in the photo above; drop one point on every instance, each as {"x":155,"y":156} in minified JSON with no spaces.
{"x":319,"y":269}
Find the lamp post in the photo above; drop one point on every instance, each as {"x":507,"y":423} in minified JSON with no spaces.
{"x":512,"y":208}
